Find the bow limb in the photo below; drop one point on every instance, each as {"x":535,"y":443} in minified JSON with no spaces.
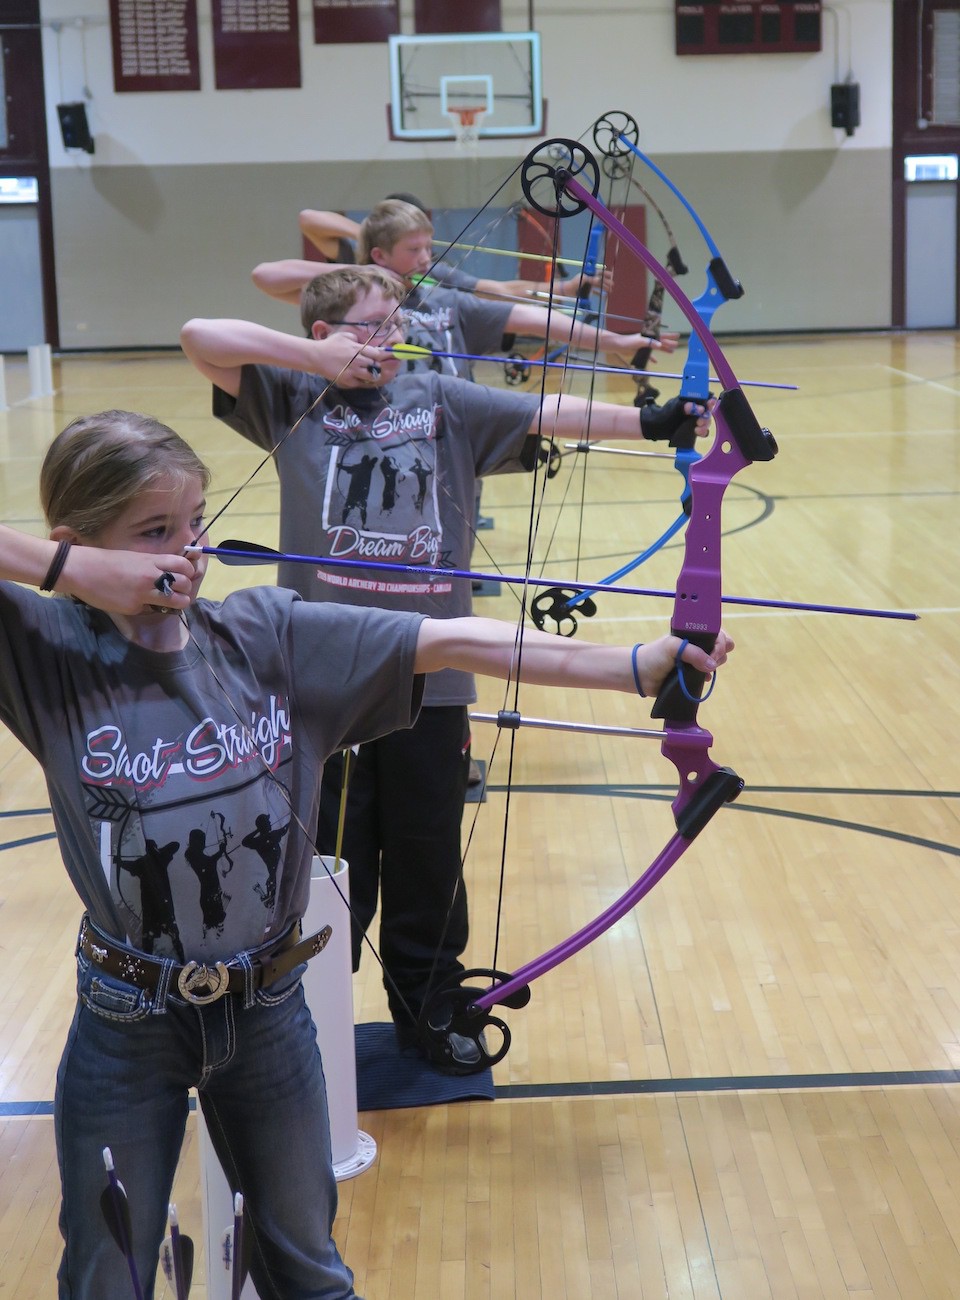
{"x":615,"y":135}
{"x":721,"y":786}
{"x":617,"y":168}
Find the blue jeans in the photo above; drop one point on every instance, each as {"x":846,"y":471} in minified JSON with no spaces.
{"x":123,"y":1082}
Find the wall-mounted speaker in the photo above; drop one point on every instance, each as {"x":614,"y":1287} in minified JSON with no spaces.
{"x":845,"y":105}
{"x":74,"y":128}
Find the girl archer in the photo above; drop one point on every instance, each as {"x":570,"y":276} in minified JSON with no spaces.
{"x":205,"y":710}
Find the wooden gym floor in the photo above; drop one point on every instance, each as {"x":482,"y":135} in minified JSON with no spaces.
{"x":750,"y":1088}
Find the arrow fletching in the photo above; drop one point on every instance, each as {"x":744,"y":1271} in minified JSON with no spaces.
{"x":116,"y":1213}
{"x":255,"y":554}
{"x":410,"y":350}
{"x":177,"y":1257}
{"x":235,"y":1250}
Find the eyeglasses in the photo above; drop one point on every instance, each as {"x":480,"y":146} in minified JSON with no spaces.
{"x":397,"y":321}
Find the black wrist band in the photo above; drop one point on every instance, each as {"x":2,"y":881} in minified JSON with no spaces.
{"x":56,"y":566}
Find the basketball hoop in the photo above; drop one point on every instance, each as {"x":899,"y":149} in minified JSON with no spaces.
{"x":467,"y":122}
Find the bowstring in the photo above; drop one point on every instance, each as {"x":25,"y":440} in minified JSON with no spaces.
{"x":535,"y":516}
{"x":608,"y":260}
{"x":540,"y":480}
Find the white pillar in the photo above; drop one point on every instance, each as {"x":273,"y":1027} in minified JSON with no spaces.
{"x":328,"y":987}
{"x":41,"y":370}
{"x":3,"y":386}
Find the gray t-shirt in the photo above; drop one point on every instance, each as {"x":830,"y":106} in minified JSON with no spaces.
{"x":171,"y":826}
{"x":385,"y":475}
{"x":447,"y":320}
{"x":452,"y":277}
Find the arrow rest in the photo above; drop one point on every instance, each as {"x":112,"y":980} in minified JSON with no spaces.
{"x":451,"y":1009}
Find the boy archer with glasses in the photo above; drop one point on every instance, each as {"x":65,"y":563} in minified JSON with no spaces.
{"x":384,"y":466}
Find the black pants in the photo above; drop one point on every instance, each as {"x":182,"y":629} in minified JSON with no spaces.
{"x":402,"y":839}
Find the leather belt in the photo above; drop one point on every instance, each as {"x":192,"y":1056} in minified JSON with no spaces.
{"x":196,"y":982}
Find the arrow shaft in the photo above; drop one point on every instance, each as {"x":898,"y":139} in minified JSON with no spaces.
{"x":581,"y":587}
{"x":413,"y":351}
{"x":515,"y":253}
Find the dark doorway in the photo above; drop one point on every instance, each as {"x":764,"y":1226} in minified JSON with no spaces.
{"x":23,"y":135}
{"x":926,"y":125}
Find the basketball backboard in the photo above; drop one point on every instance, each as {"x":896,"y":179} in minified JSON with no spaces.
{"x":488,"y":82}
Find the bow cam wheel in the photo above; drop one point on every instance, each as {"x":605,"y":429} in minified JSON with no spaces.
{"x":608,"y":129}
{"x":615,"y":168}
{"x":545,"y":171}
{"x":516,"y":370}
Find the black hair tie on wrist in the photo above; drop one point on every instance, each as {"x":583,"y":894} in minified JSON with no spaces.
{"x":56,"y":566}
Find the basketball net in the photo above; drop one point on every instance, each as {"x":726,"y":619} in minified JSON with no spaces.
{"x":467,"y":123}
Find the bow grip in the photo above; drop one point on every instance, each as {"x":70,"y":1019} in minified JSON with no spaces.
{"x":671,"y":702}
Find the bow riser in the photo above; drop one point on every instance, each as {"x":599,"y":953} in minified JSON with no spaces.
{"x":705,"y":786}
{"x":739,"y":442}
{"x":696,"y":371}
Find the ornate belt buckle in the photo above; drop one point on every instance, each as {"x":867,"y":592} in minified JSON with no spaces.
{"x":201,"y":984}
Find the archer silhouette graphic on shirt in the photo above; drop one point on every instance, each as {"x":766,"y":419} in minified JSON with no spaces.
{"x":361,"y":477}
{"x":157,"y":920}
{"x":423,"y":478}
{"x":212,"y":898}
{"x":265,"y":841}
{"x":390,"y":469}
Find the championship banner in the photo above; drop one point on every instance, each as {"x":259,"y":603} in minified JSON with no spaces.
{"x":155,"y":45}
{"x":339,"y":22}
{"x":256,"y":44}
